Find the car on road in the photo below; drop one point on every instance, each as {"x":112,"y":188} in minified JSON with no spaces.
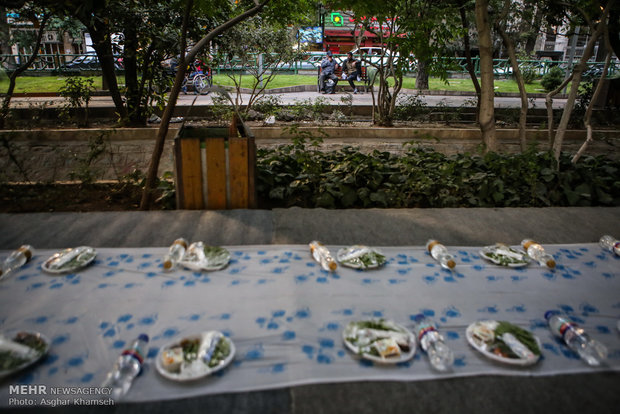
{"x":90,"y":61}
{"x":374,"y":55}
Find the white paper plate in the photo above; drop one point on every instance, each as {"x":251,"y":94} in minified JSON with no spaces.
{"x":197,"y":369}
{"x":7,"y":344}
{"x":70,"y":260}
{"x":200,"y":257}
{"x":351,"y":331}
{"x":504,"y":256}
{"x":353,"y":256}
{"x":482,"y":347}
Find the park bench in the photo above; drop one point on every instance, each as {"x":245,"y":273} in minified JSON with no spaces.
{"x":363,"y":77}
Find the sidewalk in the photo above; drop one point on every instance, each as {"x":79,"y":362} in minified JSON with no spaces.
{"x":455,"y":99}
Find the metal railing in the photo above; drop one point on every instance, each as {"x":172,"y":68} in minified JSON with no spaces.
{"x":55,"y":63}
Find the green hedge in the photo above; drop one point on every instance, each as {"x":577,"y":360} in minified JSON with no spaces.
{"x":300,"y":175}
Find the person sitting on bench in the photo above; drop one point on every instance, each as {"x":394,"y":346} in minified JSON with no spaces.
{"x":351,"y":71}
{"x":328,"y":67}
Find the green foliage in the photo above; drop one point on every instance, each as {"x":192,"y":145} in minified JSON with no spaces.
{"x":221,"y":110}
{"x":84,"y":170}
{"x":295,"y":175}
{"x":411,"y":108}
{"x":528,"y":72}
{"x":552,"y":79}
{"x":268,"y":104}
{"x":77,"y":92}
{"x":309,"y":109}
{"x":165,"y":185}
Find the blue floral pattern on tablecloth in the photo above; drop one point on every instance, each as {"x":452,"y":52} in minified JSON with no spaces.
{"x":286,"y":315}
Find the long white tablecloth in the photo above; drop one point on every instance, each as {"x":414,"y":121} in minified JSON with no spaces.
{"x":285,"y":315}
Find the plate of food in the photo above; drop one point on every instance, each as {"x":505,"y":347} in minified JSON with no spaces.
{"x":504,"y":255}
{"x":21,"y":350}
{"x":199,"y":256}
{"x":195,"y":356}
{"x":504,"y":342}
{"x":70,"y":260}
{"x":360,"y":257}
{"x":380,"y":340}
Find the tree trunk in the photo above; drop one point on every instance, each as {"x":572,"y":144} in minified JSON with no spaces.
{"x":572,"y":95}
{"x":158,"y":149}
{"x":614,"y":30}
{"x":5,"y":35}
{"x":6,"y":103}
{"x":487,"y":102}
{"x":421,"y":79}
{"x":470,"y":64}
{"x":588,"y":116}
{"x":533,"y":31}
{"x":103,"y":47}
{"x":510,"y":47}
{"x":549,"y":105}
{"x":130,"y":62}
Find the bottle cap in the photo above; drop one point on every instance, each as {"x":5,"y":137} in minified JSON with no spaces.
{"x":430,"y":244}
{"x":550,"y":313}
{"x":332,"y":265}
{"x":167,"y":264}
{"x":451,"y":264}
{"x":143,"y":337}
{"x":180,"y":241}
{"x":26,"y":250}
{"x":550,"y":264}
{"x":527,"y":243}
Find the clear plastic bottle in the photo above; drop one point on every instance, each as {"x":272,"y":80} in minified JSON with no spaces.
{"x":322,"y":255}
{"x":431,"y":342}
{"x":537,"y":252}
{"x":16,"y":259}
{"x":607,"y":242}
{"x":439,"y":252}
{"x":590,"y":350}
{"x":175,"y":254}
{"x":127,"y":367}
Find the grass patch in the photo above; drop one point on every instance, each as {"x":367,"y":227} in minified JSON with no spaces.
{"x":35,"y":84}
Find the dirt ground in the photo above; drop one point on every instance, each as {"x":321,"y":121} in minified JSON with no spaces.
{"x":29,"y":198}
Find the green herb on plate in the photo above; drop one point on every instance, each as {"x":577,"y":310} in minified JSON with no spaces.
{"x":524,"y":336}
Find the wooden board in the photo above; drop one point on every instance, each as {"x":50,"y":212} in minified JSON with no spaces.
{"x":216,"y":173}
{"x":189,"y":173}
{"x":238,"y":172}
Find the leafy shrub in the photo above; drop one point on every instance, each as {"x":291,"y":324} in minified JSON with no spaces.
{"x":410,"y":108}
{"x":552,"y":79}
{"x":268,"y":104}
{"x":77,"y":92}
{"x":294,"y":175}
{"x":529,"y":73}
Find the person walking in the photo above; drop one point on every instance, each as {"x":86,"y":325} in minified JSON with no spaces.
{"x":328,"y":67}
{"x":350,"y":70}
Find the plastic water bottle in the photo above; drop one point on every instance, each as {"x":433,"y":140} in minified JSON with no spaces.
{"x":439,"y":252}
{"x":537,"y":252}
{"x":607,"y":242}
{"x":127,"y":367}
{"x":16,"y":259}
{"x":590,"y":350}
{"x":431,"y":342}
{"x":322,"y":255}
{"x":175,"y":254}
